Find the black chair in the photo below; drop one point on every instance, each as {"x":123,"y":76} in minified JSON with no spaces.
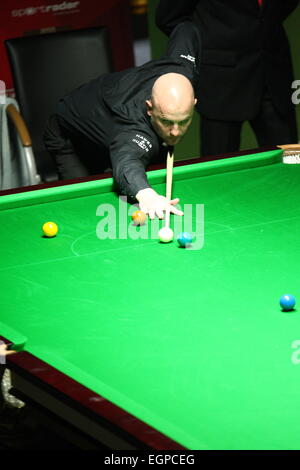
{"x":48,"y":66}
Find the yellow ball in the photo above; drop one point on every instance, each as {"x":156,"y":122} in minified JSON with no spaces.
{"x":50,"y":229}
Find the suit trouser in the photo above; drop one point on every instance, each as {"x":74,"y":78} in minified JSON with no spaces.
{"x":269,"y":127}
{"x":72,"y":156}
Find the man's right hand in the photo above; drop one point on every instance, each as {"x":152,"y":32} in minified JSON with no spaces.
{"x":155,"y":205}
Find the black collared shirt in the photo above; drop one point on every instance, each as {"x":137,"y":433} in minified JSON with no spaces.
{"x":110,"y":112}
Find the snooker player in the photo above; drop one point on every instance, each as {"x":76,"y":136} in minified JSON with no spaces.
{"x":127,"y":120}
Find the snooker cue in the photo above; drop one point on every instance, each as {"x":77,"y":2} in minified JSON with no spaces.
{"x":170,"y":160}
{"x":290,"y":147}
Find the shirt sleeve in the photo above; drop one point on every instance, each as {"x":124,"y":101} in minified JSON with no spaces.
{"x":131,"y":153}
{"x":170,"y":13}
{"x":184,"y":45}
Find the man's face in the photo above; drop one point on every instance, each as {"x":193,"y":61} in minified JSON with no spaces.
{"x":169,"y":125}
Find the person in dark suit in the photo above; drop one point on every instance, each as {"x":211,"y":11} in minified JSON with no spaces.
{"x":245,"y":70}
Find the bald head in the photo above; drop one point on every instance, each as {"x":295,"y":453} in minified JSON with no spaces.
{"x":171,"y":106}
{"x":173,"y":92}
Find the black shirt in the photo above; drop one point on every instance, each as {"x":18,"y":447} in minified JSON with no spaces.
{"x":110,"y":112}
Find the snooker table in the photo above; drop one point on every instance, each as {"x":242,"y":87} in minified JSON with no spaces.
{"x":131,"y":343}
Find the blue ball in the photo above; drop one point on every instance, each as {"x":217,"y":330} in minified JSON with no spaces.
{"x":184,"y":239}
{"x":287,"y":302}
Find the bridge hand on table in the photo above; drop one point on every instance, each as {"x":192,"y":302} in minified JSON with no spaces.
{"x":154,"y":204}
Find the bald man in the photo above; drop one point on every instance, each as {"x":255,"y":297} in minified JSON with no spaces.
{"x":127,"y":120}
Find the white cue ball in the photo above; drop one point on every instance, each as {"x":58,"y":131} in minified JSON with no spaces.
{"x":166,"y":234}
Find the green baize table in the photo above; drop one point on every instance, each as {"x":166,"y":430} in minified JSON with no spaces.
{"x":140,"y":344}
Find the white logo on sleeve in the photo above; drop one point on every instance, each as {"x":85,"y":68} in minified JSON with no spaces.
{"x":188,"y":57}
{"x":142,"y":142}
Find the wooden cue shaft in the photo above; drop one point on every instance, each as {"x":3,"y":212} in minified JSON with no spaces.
{"x":170,"y":161}
{"x":290,"y":147}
